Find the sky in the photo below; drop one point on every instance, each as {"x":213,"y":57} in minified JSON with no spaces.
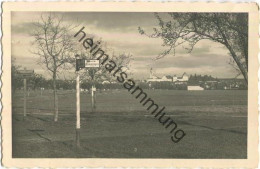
{"x":120,"y":32}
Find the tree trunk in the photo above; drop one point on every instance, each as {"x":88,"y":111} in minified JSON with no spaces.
{"x":56,"y":112}
{"x":240,"y":66}
{"x":232,"y":52}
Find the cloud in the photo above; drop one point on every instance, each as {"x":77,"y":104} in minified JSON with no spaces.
{"x":212,"y":60}
{"x":22,"y":28}
{"x":119,"y":31}
{"x":115,"y":21}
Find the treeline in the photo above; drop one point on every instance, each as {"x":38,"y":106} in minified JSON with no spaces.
{"x":197,"y":79}
{"x":37,"y":81}
{"x":163,"y":85}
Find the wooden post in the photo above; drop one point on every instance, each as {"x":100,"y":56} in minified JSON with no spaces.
{"x":78,"y":112}
{"x":92,"y":99}
{"x":25,"y":98}
{"x":95,"y":95}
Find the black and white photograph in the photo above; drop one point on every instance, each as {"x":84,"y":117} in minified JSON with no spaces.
{"x":129,"y":85}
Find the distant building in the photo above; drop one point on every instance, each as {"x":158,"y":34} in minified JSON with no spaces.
{"x":195,"y":88}
{"x":183,"y":78}
{"x":211,"y":84}
{"x":153,"y":78}
{"x":167,"y":78}
{"x":105,"y":82}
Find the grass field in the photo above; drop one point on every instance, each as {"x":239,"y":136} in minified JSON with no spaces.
{"x":215,"y":123}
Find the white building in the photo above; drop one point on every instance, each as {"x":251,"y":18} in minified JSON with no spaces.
{"x":167,"y":78}
{"x":183,"y":78}
{"x":105,"y":82}
{"x":195,"y":88}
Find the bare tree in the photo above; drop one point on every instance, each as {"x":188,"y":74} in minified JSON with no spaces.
{"x":228,"y":29}
{"x":100,"y":74}
{"x":17,"y":79}
{"x":54,"y":47}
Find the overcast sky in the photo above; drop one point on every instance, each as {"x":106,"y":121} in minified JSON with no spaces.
{"x":120,"y":32}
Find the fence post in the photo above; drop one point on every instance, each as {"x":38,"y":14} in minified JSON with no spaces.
{"x":25,"y":98}
{"x":92,"y":99}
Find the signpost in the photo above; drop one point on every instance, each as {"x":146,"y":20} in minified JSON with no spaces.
{"x":91,"y":63}
{"x":78,"y":112}
{"x":81,"y":63}
{"x":26,"y":74}
{"x":85,"y":63}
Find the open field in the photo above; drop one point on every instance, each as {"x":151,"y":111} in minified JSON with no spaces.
{"x":215,"y":123}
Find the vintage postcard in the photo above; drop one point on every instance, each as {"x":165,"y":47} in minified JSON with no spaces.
{"x":130,"y":84}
